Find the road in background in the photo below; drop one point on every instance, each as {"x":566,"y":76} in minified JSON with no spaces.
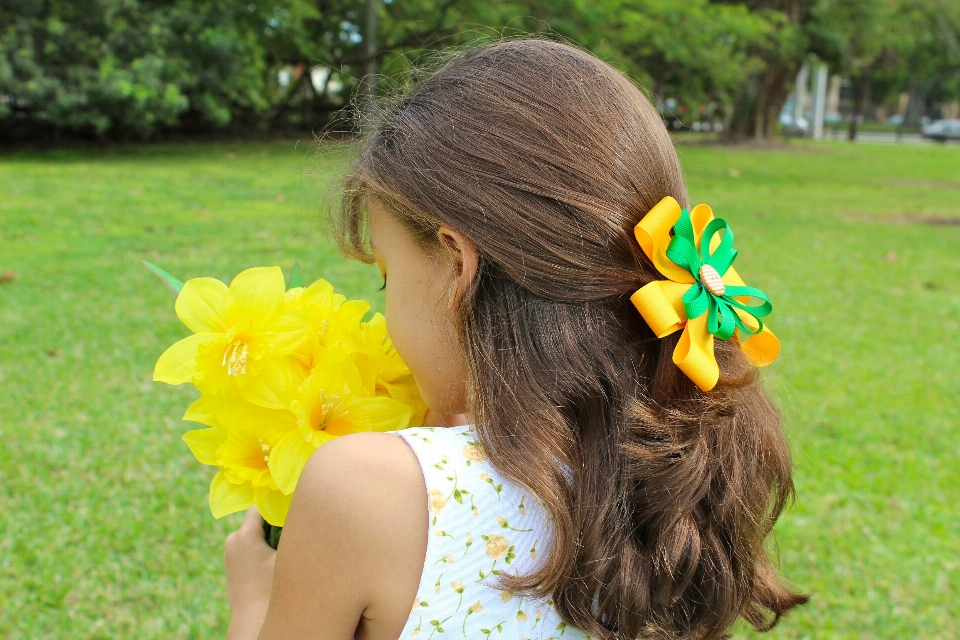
{"x":887,"y":138}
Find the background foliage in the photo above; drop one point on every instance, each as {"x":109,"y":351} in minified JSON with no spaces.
{"x":148,"y":68}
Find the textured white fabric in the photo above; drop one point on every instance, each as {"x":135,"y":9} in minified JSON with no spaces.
{"x":480,"y":525}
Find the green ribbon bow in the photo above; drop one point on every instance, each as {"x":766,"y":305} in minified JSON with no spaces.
{"x":722,"y":320}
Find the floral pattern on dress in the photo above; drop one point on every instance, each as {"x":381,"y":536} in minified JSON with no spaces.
{"x":481,"y":526}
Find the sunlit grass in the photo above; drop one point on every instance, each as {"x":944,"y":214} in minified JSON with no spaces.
{"x":104,"y":529}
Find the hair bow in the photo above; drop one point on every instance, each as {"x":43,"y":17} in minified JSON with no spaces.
{"x":703,"y":295}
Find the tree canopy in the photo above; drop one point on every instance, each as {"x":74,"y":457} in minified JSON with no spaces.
{"x":148,"y":68}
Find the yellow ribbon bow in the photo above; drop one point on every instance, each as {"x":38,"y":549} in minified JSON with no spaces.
{"x":664,"y":303}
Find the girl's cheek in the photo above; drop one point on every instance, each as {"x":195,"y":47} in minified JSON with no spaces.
{"x":398,"y":335}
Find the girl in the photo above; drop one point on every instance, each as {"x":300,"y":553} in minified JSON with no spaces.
{"x":597,"y":491}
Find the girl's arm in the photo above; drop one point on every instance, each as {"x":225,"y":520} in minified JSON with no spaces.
{"x":352,"y":550}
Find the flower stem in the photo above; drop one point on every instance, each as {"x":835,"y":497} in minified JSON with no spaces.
{"x":272,"y":534}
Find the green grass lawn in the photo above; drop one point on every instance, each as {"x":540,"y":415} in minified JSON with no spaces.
{"x":104,"y":528}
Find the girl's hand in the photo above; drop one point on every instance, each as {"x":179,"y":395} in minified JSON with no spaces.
{"x":249,"y":563}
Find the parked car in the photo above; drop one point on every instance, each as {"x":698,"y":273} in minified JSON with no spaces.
{"x":942,"y":130}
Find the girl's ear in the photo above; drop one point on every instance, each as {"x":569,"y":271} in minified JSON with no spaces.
{"x":464,"y":261}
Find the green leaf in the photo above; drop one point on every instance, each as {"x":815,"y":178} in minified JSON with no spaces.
{"x":296,"y":277}
{"x":168,"y":280}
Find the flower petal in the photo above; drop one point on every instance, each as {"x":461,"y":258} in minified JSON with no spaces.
{"x":351,"y":312}
{"x":287,"y":459}
{"x":204,"y":443}
{"x":272,"y":383}
{"x":269,"y":424}
{"x":370,"y":364}
{"x":226,"y":497}
{"x":405,"y":390}
{"x":272,"y":505}
{"x":319,"y":289}
{"x":212,"y":375}
{"x":178,"y":363}
{"x":372,"y":414}
{"x":289,"y":331}
{"x":202,"y":305}
{"x":255,"y":295}
{"x":205,"y":410}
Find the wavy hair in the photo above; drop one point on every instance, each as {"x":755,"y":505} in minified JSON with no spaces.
{"x":662,"y":496}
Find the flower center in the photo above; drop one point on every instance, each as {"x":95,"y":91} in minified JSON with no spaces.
{"x":235,"y":358}
{"x":330,"y":406}
{"x":266,"y":450}
{"x":712,"y":280}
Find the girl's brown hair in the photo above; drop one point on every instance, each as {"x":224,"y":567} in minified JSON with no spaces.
{"x":662,"y":496}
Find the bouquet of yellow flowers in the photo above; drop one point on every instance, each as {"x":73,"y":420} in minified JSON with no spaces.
{"x":280,"y":371}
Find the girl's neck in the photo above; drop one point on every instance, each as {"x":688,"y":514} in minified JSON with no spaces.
{"x":433,"y":419}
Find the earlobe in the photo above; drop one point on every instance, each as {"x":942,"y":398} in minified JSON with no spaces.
{"x":464,"y":262}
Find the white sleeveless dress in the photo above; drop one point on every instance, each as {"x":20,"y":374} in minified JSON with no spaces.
{"x":481,"y":525}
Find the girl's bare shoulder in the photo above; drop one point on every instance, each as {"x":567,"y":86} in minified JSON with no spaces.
{"x":357,"y":528}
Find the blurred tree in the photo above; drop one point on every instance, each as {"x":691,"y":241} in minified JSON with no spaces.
{"x":759,"y":99}
{"x":141,"y":68}
{"x":695,"y":52}
{"x":890,"y":46}
{"x":925,"y":60}
{"x":856,"y":38}
{"x":126,"y":66}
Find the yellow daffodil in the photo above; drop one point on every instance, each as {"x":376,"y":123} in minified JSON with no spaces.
{"x":383,"y":370}
{"x":331,"y":313}
{"x":333,"y":319}
{"x":331,"y":402}
{"x":240,"y":439}
{"x":280,"y":373}
{"x":242,"y":337}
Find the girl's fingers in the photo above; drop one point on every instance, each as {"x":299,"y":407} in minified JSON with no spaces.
{"x":252,"y":522}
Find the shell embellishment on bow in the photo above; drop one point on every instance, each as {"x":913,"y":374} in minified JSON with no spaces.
{"x":702,"y":295}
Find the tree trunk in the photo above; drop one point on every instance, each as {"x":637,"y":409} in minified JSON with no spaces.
{"x":758,"y":101}
{"x":859,"y":99}
{"x":743,"y":120}
{"x":757,"y":104}
{"x":914,"y":106}
{"x":775,"y":89}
